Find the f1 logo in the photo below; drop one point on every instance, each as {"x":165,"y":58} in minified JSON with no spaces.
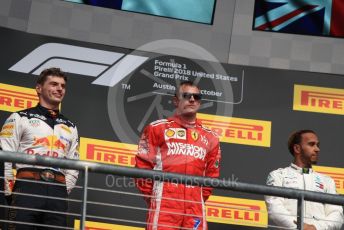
{"x":108,"y":67}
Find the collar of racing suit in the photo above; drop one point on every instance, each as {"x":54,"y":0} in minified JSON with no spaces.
{"x":184,"y":123}
{"x":48,"y":112}
{"x":301,"y":170}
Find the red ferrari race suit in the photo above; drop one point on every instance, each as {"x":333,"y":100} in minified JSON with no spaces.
{"x":172,"y":146}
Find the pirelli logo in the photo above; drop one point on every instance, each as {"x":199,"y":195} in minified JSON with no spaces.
{"x":108,"y":152}
{"x":239,"y":130}
{"x":90,"y":225}
{"x":337,"y":175}
{"x":237,"y":211}
{"x":223,"y":210}
{"x":14,"y":98}
{"x":318,"y":99}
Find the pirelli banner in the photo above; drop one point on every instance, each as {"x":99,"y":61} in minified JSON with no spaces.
{"x":14,"y":97}
{"x":112,"y":93}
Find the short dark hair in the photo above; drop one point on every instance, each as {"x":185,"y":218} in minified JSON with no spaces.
{"x":57,"y":72}
{"x":185,"y":83}
{"x":295,"y":138}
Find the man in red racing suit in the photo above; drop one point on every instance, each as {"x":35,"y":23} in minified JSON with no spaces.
{"x":179,"y":144}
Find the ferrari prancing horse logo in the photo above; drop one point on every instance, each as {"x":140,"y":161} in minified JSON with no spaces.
{"x":194,"y":135}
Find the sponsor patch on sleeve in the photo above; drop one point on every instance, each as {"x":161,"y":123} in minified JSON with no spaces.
{"x":8,"y":129}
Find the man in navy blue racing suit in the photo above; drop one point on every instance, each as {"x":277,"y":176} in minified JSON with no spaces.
{"x":41,"y":130}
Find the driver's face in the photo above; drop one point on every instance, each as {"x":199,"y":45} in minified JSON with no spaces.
{"x":188,"y":100}
{"x":309,"y":148}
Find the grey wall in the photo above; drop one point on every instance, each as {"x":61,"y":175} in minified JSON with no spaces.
{"x":230,"y":39}
{"x":15,"y":14}
{"x":119,"y":28}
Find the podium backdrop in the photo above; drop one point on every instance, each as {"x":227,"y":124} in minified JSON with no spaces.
{"x":112,"y":93}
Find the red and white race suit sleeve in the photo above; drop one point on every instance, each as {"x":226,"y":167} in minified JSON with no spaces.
{"x":213,"y":159}
{"x":145,"y":159}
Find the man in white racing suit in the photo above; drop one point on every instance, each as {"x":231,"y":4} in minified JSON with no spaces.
{"x":40,"y":130}
{"x":304,"y":146}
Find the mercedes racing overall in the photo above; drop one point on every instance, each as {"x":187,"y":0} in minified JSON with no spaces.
{"x":282,"y":211}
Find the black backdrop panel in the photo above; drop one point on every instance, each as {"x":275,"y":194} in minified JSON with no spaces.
{"x":116,"y":109}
